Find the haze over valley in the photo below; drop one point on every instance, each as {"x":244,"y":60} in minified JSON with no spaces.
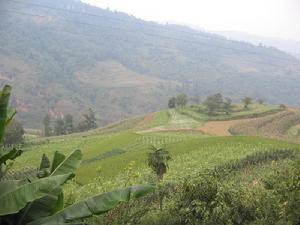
{"x":69,"y":60}
{"x":109,"y":115}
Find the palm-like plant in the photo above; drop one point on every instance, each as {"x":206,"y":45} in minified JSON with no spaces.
{"x":40,"y":201}
{"x":158,"y":161}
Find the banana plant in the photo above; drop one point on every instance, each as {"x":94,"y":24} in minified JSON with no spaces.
{"x":41,"y":201}
{"x":6,"y":115}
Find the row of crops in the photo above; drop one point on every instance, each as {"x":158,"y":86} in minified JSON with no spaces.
{"x":280,"y":125}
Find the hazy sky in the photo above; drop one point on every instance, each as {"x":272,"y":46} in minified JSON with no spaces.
{"x":271,"y":18}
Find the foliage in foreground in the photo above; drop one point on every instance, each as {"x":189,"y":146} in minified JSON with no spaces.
{"x":218,"y":196}
{"x":41,"y":201}
{"x":210,"y":200}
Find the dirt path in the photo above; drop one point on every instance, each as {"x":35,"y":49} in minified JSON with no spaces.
{"x":214,"y":128}
{"x":220,"y":128}
{"x":147,"y":119}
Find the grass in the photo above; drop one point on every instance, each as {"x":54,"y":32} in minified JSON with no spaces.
{"x":255,"y":110}
{"x":112,"y":148}
{"x":189,"y":151}
{"x":160,"y":118}
{"x":189,"y":159}
{"x":116,"y":156}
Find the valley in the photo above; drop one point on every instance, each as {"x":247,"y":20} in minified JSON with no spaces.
{"x":113,"y":113}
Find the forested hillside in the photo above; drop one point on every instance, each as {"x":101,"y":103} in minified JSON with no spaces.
{"x":63,"y":56}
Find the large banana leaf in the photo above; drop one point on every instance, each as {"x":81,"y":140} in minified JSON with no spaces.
{"x":44,"y":167}
{"x":11,"y":112}
{"x":9,"y":154}
{"x":14,"y":197}
{"x":58,"y":158}
{"x":95,"y":205}
{"x":43,"y":207}
{"x":69,"y":165}
{"x":53,"y":202}
{"x":4,"y":101}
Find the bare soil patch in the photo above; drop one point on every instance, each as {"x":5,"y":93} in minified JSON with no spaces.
{"x":221,"y":128}
{"x":147,"y":119}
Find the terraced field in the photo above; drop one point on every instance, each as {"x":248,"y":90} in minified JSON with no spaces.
{"x":283,"y":125}
{"x":112,"y":148}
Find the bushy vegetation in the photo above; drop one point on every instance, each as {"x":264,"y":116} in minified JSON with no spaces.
{"x":203,"y":183}
{"x":178,"y":101}
{"x":260,"y":188}
{"x":211,"y":199}
{"x":227,"y":112}
{"x":65,"y":125}
{"x":40,"y":200}
{"x":14,"y":134}
{"x":246,"y":101}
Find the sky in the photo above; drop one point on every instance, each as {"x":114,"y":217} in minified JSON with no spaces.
{"x":269,"y":18}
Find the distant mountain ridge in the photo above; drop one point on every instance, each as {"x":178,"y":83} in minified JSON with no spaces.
{"x":290,"y":46}
{"x":63,"y":62}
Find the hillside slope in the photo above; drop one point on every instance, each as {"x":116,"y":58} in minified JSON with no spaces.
{"x":113,"y":147}
{"x":290,"y":46}
{"x":62,"y":62}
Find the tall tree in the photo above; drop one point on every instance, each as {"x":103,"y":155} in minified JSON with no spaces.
{"x":181,"y":100}
{"x":69,"y":126}
{"x":247,"y":101}
{"x":172,"y":102}
{"x":227,"y":106}
{"x":14,"y":134}
{"x":59,"y":128}
{"x":90,"y":119}
{"x":47,"y":125}
{"x":213,"y":103}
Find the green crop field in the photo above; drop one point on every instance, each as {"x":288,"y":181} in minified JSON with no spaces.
{"x":107,"y":119}
{"x":112,"y":148}
{"x":255,"y":110}
{"x":116,"y":156}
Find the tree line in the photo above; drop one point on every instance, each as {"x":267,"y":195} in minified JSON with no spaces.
{"x":66,"y":125}
{"x":214,"y":104}
{"x":178,"y":101}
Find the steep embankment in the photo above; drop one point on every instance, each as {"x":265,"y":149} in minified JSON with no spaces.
{"x":284,"y":125}
{"x":221,"y":128}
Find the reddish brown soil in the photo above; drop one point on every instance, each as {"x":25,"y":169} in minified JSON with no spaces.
{"x":147,"y":119}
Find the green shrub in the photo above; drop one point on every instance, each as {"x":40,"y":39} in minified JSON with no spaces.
{"x":253,"y":159}
{"x":285,"y":186}
{"x":212,"y":199}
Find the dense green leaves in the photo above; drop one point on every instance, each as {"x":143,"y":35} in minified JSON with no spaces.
{"x":5,"y":114}
{"x":14,"y":134}
{"x":26,"y":201}
{"x":69,"y":165}
{"x":11,"y":112}
{"x":58,"y":158}
{"x":95,"y":205}
{"x":14,"y":197}
{"x":9,"y":154}
{"x":158,"y":161}
{"x":54,"y":201}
